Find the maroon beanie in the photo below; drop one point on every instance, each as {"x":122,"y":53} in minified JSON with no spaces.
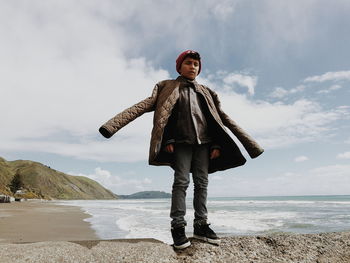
{"x":182,"y":57}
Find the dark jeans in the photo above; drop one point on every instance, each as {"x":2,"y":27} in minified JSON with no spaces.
{"x":188,"y":158}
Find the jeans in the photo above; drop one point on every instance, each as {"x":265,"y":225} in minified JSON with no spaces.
{"x":189,"y":158}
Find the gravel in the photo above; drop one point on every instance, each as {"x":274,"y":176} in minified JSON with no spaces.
{"x":301,"y":248}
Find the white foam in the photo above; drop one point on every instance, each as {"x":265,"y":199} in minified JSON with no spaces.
{"x":150,"y":218}
{"x":253,"y":221}
{"x":258,"y":202}
{"x":337,"y":202}
{"x":137,"y":227}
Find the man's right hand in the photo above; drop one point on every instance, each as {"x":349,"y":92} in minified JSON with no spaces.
{"x":169,"y":148}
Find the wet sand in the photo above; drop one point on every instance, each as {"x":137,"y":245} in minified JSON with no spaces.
{"x":32,"y":221}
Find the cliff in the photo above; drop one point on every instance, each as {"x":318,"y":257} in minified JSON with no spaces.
{"x":40,"y":181}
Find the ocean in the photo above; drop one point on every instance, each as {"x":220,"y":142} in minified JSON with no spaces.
{"x":149,"y":218}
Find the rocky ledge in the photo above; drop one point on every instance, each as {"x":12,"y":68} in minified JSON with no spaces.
{"x":308,"y":248}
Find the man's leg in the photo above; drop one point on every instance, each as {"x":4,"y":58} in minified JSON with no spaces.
{"x":200,"y":164}
{"x":182,"y":166}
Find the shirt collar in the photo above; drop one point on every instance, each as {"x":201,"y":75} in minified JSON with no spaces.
{"x":185,"y":80}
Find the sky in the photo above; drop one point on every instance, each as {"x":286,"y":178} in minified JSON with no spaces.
{"x":281,"y":69}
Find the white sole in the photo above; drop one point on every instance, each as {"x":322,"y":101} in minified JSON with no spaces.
{"x":187,"y":244}
{"x":209,"y":240}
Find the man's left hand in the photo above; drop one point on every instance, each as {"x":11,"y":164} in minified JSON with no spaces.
{"x":215,"y":153}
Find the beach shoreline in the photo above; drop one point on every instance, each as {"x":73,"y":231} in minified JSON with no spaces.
{"x":41,"y":220}
{"x":42,"y":231}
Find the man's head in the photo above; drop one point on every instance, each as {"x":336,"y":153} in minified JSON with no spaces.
{"x":188,"y":64}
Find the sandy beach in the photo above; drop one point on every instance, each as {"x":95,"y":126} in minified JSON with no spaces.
{"x":33,"y":221}
{"x":45,"y":232}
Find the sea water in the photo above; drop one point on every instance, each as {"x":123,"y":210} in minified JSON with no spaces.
{"x":149,"y":218}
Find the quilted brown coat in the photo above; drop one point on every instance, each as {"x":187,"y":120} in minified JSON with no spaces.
{"x":162,"y":101}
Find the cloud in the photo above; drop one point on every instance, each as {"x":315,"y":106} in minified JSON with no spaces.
{"x":330,"y":76}
{"x":301,"y":158}
{"x":223,"y":9}
{"x":117,"y":183}
{"x":345,"y":155}
{"x":243,"y":83}
{"x":324,"y":180}
{"x":330,"y":89}
{"x":280,"y":124}
{"x":280,"y":92}
{"x":246,"y":81}
{"x":65,"y":74}
{"x":284,"y":25}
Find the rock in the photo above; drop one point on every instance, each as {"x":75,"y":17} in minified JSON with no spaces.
{"x":281,"y":248}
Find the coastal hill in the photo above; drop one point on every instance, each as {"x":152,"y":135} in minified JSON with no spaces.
{"x":146,"y":195}
{"x":40,"y":181}
{"x":6,"y":175}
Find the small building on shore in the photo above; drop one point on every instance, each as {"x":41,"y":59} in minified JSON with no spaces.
{"x":5,"y":198}
{"x":19,"y":195}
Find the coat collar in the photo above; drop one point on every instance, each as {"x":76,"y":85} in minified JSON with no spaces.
{"x":192,"y":83}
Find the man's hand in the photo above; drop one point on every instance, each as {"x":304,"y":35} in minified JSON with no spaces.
{"x":169,"y":148}
{"x":215,"y":153}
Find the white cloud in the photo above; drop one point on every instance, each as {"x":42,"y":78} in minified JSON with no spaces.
{"x":246,"y":81}
{"x":301,"y":158}
{"x":223,"y":9}
{"x":280,"y":92}
{"x":345,"y":155}
{"x":117,"y":183}
{"x":283,"y":24}
{"x":330,"y":89}
{"x":324,"y":180}
{"x":298,"y":89}
{"x":278,"y":125}
{"x":330,"y":76}
{"x":64,"y":75}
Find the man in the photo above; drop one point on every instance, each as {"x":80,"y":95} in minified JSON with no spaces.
{"x":188,"y":135}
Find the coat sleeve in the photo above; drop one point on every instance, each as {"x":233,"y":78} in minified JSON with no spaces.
{"x":252,"y":147}
{"x":128,"y":115}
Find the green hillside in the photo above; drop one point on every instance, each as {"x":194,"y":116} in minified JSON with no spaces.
{"x":40,"y":181}
{"x":6,"y":175}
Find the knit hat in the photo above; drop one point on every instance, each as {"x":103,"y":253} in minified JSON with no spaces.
{"x":182,"y":57}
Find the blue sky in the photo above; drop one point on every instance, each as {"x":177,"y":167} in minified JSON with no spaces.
{"x":281,"y":69}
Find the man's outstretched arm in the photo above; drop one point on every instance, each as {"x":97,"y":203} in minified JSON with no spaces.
{"x":128,"y":115}
{"x":252,"y":147}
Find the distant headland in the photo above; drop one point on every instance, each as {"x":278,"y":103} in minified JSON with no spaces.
{"x":146,"y":195}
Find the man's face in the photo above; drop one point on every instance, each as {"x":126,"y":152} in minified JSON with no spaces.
{"x":189,"y":68}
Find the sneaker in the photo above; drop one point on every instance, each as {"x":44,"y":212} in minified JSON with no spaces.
{"x":179,"y":237}
{"x":205,"y":233}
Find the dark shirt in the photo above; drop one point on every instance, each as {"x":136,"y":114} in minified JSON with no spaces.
{"x":188,"y":121}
